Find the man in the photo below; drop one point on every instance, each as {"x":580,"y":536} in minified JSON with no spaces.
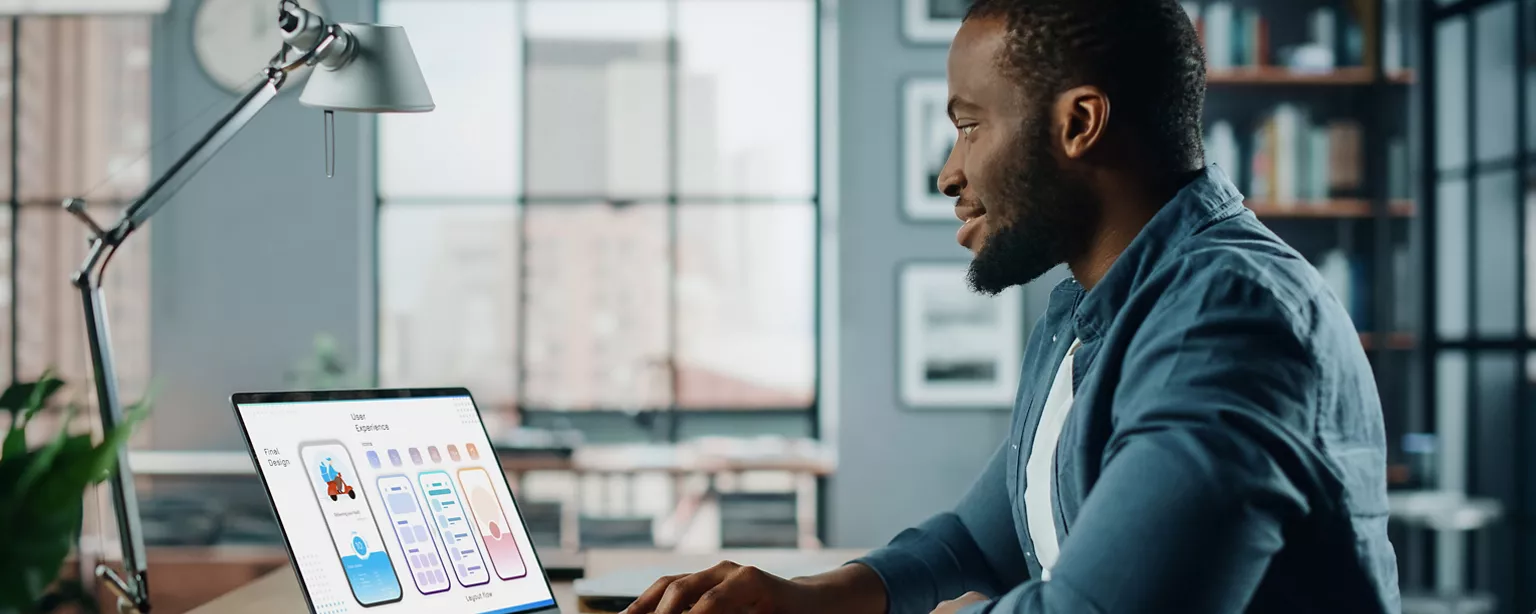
{"x":1197,"y":429}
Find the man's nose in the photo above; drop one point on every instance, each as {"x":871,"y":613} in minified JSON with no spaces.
{"x":951,"y":179}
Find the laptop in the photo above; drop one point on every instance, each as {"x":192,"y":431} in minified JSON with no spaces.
{"x":393,"y":501}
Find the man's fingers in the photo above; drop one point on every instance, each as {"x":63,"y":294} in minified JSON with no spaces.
{"x":743,"y":591}
{"x":681,"y":593}
{"x":647,"y":600}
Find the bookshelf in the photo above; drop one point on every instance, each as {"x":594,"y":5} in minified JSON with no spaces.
{"x":1275,"y":75}
{"x":1332,"y":208}
{"x":1398,"y":342}
{"x":1308,"y":110}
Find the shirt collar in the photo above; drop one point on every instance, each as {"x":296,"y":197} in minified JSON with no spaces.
{"x":1209,"y":198}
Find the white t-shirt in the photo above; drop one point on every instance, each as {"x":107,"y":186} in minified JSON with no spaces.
{"x":1040,"y":486}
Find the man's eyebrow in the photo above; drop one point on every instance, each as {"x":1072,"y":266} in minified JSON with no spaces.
{"x":956,"y":101}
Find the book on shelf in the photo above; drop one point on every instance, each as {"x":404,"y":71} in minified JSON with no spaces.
{"x":1221,"y":148}
{"x":1346,"y":150}
{"x":1295,"y":159}
{"x":1237,"y":35}
{"x":1233,"y":37}
{"x":1346,"y":275}
{"x":1399,"y":180}
{"x":1315,"y":159}
{"x":1405,"y":285}
{"x":1218,"y":22}
{"x":1334,"y":267}
{"x":1392,"y":42}
{"x":1253,"y":48}
{"x":1261,"y":170}
{"x":1367,"y":45}
{"x":1289,"y":124}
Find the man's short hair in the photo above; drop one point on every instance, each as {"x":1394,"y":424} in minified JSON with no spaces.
{"x":1145,"y":54}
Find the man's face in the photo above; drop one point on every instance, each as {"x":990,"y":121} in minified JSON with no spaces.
{"x":1023,"y":211}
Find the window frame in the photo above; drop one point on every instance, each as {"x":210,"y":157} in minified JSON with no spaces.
{"x":1454,"y":355}
{"x":673,"y":199}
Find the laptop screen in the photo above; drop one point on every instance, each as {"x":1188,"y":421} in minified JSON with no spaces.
{"x":393,"y":504}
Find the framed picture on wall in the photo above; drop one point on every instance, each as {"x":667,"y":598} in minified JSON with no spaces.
{"x":933,"y":21}
{"x":927,"y":137}
{"x":957,"y":349}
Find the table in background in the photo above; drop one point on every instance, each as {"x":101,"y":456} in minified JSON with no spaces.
{"x":806,"y":460}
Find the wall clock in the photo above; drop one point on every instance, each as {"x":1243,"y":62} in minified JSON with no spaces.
{"x":233,"y":39}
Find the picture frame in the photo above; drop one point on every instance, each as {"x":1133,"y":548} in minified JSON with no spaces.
{"x":957,"y":349}
{"x":933,"y":21}
{"x":927,"y":137}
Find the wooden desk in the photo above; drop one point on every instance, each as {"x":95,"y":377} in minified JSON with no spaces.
{"x":278,"y":591}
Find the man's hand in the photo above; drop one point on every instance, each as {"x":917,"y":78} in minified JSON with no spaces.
{"x":729,"y":588}
{"x":726,"y":588}
{"x":954,"y":605}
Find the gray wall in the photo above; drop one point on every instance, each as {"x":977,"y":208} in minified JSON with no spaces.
{"x":257,"y":254}
{"x":895,"y":466}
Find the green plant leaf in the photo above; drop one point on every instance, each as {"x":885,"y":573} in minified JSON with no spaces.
{"x":26,"y":398}
{"x":15,"y":440}
{"x":43,"y":459}
{"x":44,"y":389}
{"x":40,"y":545}
{"x":58,"y":484}
{"x":41,"y":495}
{"x":11,"y":469}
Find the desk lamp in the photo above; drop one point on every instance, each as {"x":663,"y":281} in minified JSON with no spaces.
{"x":365,"y":68}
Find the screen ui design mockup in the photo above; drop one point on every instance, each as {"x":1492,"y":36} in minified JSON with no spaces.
{"x":394,"y":505}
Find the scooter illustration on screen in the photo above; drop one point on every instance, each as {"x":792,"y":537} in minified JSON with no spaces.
{"x":335,"y":487}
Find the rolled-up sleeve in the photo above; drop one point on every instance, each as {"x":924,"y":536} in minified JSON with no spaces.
{"x":973,"y":548}
{"x":1204,"y":467}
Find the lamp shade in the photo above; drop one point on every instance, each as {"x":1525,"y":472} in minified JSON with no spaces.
{"x":378,"y":75}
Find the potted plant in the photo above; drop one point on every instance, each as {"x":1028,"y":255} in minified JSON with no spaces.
{"x":42,"y":494}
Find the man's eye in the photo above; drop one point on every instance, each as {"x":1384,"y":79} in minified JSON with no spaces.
{"x":967,"y":129}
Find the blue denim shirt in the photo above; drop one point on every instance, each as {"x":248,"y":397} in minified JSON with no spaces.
{"x":1224,"y":453}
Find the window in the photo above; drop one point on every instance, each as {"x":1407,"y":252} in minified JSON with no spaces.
{"x":1480,"y":368}
{"x":612,"y":209}
{"x":79,"y":88}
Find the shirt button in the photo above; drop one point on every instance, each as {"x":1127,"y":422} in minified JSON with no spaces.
{"x":1053,"y":338}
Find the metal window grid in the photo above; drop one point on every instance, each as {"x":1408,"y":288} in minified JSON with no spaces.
{"x":672,"y":198}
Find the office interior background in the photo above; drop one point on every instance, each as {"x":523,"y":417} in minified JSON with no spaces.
{"x":685,"y":255}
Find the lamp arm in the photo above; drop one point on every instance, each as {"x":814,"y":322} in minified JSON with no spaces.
{"x":193,"y":160}
{"x":334,"y":44}
{"x":132,"y":587}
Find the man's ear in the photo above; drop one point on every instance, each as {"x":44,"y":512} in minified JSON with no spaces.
{"x":1081,"y":118}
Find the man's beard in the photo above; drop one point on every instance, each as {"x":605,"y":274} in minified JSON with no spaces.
{"x":1042,"y":216}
